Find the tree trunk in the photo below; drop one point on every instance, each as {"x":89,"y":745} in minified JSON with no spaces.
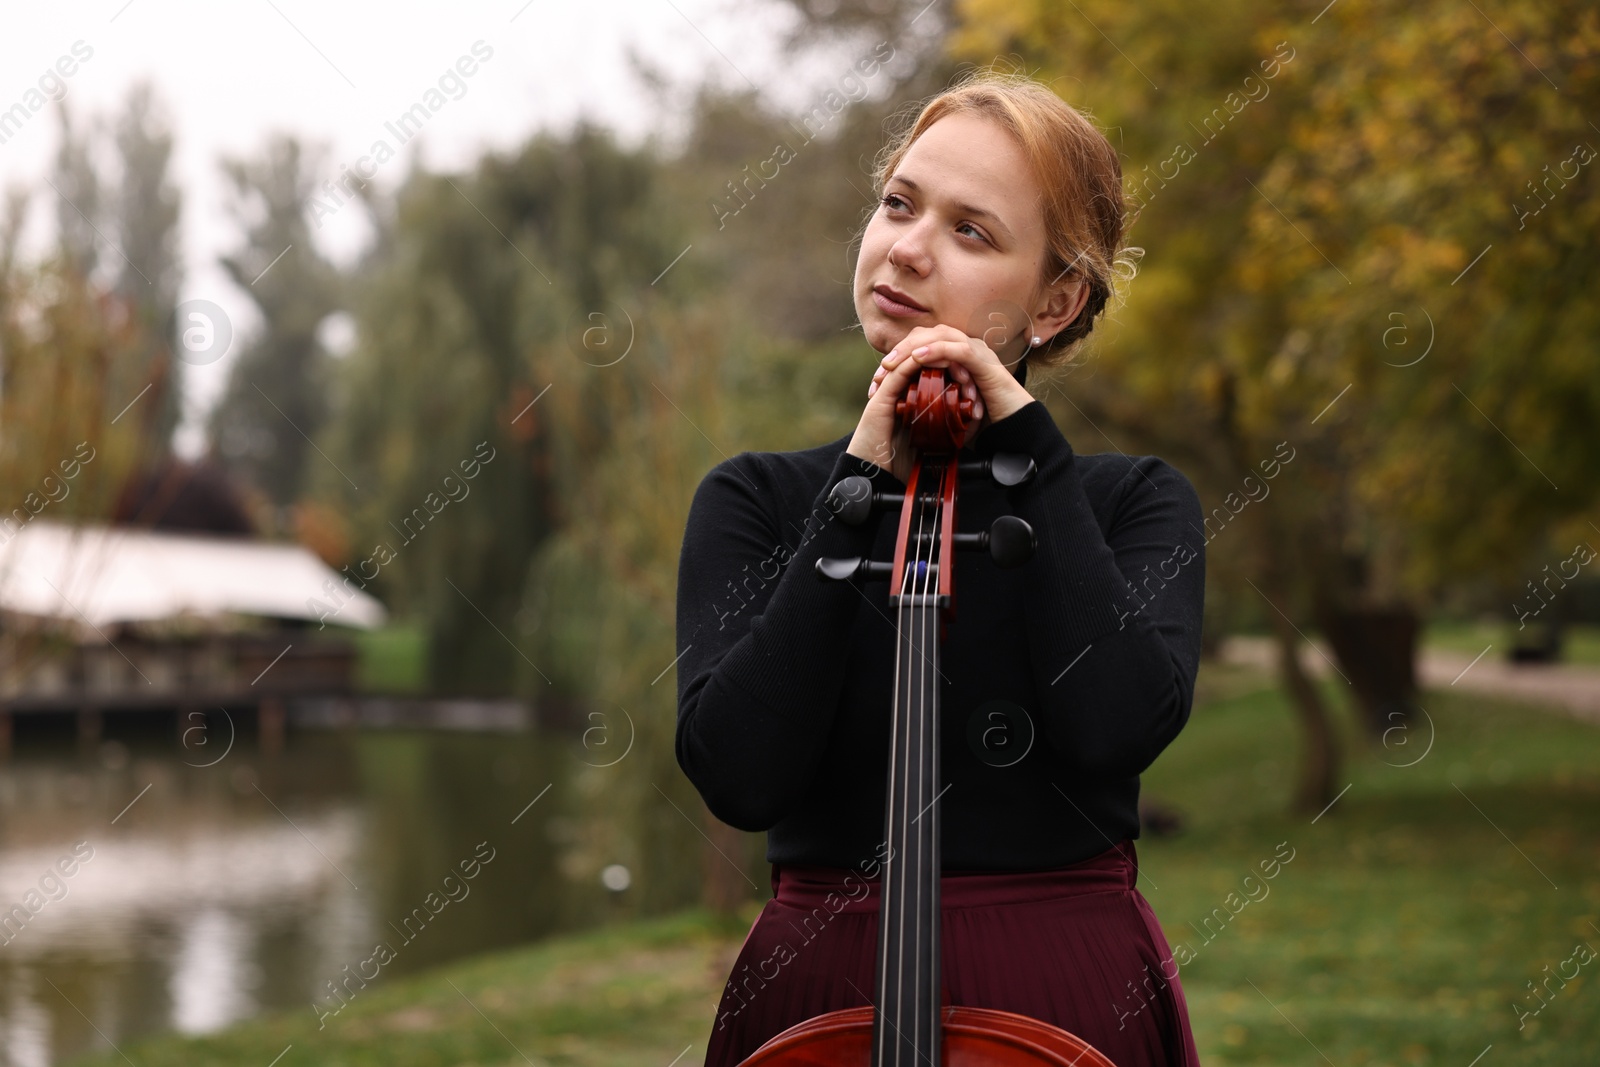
{"x":1376,"y":648}
{"x":725,"y":883}
{"x":1319,"y":754}
{"x":1539,"y":642}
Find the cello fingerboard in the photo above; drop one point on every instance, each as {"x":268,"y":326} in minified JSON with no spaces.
{"x":906,"y":1027}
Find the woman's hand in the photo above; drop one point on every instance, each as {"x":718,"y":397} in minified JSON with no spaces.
{"x":977,"y":371}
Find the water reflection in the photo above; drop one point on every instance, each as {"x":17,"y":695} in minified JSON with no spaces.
{"x":257,"y":884}
{"x":27,"y":1028}
{"x":213,"y":978}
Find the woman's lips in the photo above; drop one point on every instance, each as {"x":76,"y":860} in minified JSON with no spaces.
{"x":892,"y":307}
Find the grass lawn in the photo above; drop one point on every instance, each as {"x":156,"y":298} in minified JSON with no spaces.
{"x":391,"y":660}
{"x":1408,"y":923}
{"x":1581,"y":644}
{"x":1406,"y":926}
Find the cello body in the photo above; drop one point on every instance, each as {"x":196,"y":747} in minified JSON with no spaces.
{"x":970,"y":1037}
{"x":907,"y":1026}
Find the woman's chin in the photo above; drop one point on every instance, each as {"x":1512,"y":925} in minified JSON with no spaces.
{"x":883,"y":332}
{"x":881,"y":335}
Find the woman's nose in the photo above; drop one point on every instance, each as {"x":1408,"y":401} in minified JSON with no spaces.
{"x":911,"y":251}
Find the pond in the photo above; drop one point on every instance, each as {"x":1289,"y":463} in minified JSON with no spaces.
{"x":143,"y":889}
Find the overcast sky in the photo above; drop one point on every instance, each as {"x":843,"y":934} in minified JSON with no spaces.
{"x":228,"y":74}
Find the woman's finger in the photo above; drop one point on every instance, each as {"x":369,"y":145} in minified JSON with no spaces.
{"x":896,"y":374}
{"x":997,"y":389}
{"x":977,"y":361}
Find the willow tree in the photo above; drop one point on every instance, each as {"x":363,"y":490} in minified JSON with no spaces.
{"x":463,"y":309}
{"x":71,"y":380}
{"x":529,"y":315}
{"x":72,"y":375}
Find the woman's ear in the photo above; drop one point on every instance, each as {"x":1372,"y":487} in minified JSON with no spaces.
{"x":1062,"y":303}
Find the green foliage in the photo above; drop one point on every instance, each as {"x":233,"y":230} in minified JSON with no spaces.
{"x":591,"y":283}
{"x":68,"y":362}
{"x":275,"y":403}
{"x":140,"y":212}
{"x":1313,"y":190}
{"x":1312,"y":186}
{"x":1424,"y":133}
{"x":463,"y":314}
{"x":149,"y":271}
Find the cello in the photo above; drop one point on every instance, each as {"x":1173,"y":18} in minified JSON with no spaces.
{"x":908,"y":1026}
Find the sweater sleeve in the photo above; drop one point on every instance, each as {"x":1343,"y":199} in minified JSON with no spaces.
{"x":1113,"y":618}
{"x":762,"y":641}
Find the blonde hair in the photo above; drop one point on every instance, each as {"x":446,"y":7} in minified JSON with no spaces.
{"x":1086,"y":217}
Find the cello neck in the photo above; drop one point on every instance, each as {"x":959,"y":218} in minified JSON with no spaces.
{"x":906,"y":1028}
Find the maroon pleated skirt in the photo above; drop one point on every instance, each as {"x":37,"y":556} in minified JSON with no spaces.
{"x":1077,"y":946}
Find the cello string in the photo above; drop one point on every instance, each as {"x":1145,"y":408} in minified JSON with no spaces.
{"x":912,"y":785}
{"x":923,"y":582}
{"x":893,"y":864}
{"x":911,"y":882}
{"x":894,"y":735}
{"x":928,"y":774}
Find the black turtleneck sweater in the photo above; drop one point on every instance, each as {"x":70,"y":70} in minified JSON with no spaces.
{"x":785,"y":681}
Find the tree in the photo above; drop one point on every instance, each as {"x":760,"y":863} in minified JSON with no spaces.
{"x":67,"y":373}
{"x":1285,"y":234}
{"x":77,"y":185}
{"x":149,"y":268}
{"x":275,"y":402}
{"x":1456,"y":186}
{"x":464,"y":311}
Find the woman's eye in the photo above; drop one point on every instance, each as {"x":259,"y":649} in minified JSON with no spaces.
{"x":893,"y":202}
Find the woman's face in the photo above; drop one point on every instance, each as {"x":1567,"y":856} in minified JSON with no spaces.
{"x":958,"y":238}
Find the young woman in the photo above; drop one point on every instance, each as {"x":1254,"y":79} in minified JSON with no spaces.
{"x":1062,"y":680}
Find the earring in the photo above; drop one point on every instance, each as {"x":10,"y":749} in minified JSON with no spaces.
{"x":1037,"y":341}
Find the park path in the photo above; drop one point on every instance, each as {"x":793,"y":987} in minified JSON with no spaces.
{"x":1571,"y":688}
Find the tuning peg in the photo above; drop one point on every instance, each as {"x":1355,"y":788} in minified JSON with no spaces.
{"x":1006,"y":468}
{"x":854,"y":500}
{"x":844,"y":569}
{"x":1011,"y":541}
